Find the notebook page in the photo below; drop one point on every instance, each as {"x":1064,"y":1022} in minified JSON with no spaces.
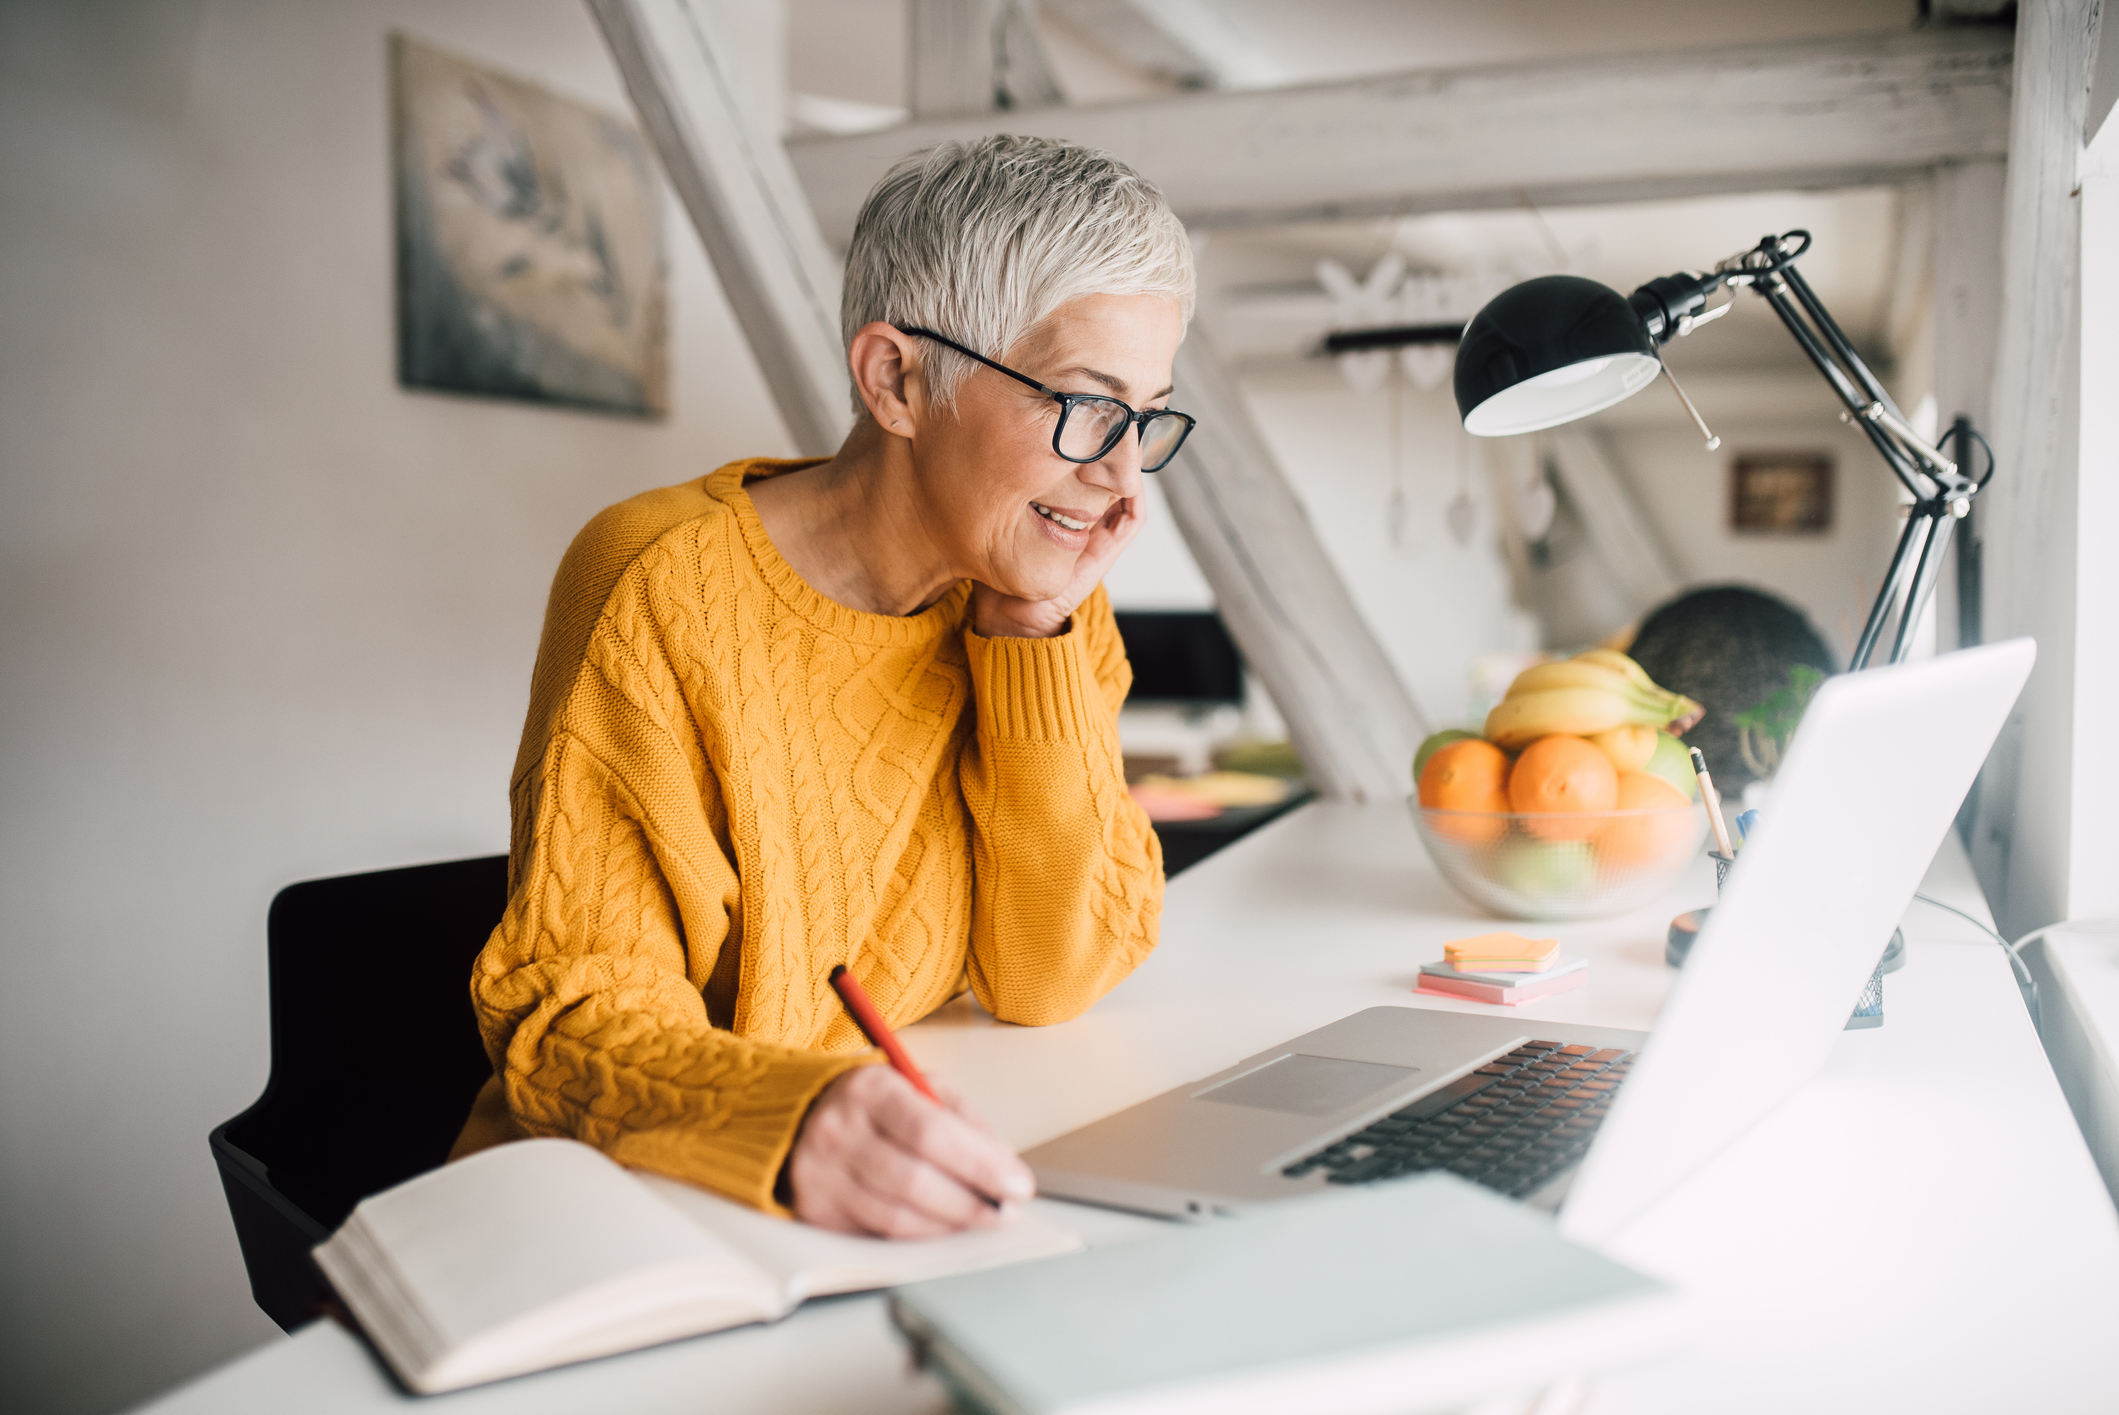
{"x":492,"y":1240}
{"x":813,"y":1262}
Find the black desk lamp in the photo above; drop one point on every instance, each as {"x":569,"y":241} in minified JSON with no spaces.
{"x":1557,"y":348}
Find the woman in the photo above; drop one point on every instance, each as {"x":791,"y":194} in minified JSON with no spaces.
{"x":861,"y":712}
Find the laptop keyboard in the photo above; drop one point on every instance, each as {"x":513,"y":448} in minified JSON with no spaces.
{"x":1511,"y":1125}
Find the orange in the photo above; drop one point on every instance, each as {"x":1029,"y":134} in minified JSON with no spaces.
{"x":1563,"y":774}
{"x":1471,"y":775}
{"x":1643,"y":840}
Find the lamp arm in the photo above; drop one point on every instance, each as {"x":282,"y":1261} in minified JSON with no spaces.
{"x":1836,"y":338}
{"x":1877,"y":407}
{"x":1902,"y":466}
{"x":1940,"y":524}
{"x":1910,"y":543}
{"x":1942,"y":493}
{"x":1671,"y":307}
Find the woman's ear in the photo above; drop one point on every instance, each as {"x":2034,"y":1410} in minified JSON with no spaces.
{"x":886,"y":373}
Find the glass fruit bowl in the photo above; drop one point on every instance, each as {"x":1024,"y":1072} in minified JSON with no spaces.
{"x":1561,"y":865}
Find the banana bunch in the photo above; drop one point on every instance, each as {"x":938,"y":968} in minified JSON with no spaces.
{"x":1590,"y":695}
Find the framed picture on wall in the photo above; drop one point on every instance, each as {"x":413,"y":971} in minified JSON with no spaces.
{"x":529,"y":242}
{"x":1781,"y":493}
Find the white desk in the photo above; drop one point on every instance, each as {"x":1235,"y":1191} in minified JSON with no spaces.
{"x":1922,"y":1229}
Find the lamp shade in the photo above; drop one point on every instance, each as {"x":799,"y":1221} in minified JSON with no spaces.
{"x":1548,"y":351}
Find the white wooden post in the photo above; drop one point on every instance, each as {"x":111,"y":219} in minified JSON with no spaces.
{"x":1967,"y":202}
{"x":2093,"y":834}
{"x":2033,"y":802}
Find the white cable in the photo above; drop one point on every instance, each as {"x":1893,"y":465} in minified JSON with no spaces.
{"x":2025,"y":983}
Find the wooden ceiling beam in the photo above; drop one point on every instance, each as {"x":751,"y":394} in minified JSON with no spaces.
{"x":1811,"y":114}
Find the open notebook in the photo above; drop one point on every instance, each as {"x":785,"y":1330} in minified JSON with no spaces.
{"x":545,"y":1252}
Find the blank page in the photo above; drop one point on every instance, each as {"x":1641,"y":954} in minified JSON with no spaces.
{"x":488,"y":1241}
{"x":813,"y":1262}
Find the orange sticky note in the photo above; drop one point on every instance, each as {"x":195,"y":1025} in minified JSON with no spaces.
{"x":1503,"y":953}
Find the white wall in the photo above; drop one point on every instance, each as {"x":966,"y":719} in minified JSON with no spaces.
{"x":1831,"y":576}
{"x":265,"y":615}
{"x":1434,"y":604}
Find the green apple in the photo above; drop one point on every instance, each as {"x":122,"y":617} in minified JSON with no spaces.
{"x":1543,"y":869}
{"x":1673,"y":763}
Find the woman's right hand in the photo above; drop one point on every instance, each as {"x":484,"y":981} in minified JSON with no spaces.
{"x":876,"y":1157}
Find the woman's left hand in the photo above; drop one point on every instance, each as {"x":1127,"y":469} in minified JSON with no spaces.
{"x":995,"y":615}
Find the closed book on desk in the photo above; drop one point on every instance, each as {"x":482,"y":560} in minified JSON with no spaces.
{"x":1415,"y":1295}
{"x":545,"y":1252}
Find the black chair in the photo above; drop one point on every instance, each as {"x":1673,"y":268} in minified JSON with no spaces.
{"x":375,"y":1059}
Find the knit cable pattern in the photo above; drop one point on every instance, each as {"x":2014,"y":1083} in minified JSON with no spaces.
{"x":741,"y":784}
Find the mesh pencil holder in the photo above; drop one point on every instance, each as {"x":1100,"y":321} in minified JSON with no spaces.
{"x":1869,"y":1012}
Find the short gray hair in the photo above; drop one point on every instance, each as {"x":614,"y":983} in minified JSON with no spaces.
{"x":982,"y":240}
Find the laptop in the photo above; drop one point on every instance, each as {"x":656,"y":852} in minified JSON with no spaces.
{"x":1598,"y":1122}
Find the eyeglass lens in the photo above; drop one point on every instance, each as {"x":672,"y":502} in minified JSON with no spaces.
{"x":1094,"y":425}
{"x":1159,"y":441}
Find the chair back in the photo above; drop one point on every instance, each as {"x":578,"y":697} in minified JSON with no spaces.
{"x":375,"y":1058}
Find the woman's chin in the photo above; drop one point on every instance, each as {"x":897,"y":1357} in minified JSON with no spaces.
{"x":1032,"y":582}
{"x":1042,"y":572}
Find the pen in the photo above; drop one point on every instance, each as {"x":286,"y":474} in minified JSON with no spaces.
{"x":1713,"y":802}
{"x":878,"y":1031}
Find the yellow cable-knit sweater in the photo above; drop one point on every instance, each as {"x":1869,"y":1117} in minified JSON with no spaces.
{"x":728,"y":784}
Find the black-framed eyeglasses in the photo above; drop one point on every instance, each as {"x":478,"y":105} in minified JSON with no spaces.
{"x":1091,"y":424}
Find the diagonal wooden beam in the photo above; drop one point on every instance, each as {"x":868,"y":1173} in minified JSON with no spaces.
{"x":1619,"y":528}
{"x":1276,"y":588}
{"x":729,"y":170}
{"x":1819,"y":113}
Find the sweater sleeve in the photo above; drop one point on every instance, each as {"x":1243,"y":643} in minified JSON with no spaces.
{"x":589,"y":993}
{"x":1067,"y":873}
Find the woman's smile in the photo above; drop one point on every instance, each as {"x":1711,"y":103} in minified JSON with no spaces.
{"x":1077,"y":521}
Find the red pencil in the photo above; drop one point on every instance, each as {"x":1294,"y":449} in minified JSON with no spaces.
{"x":878,"y":1031}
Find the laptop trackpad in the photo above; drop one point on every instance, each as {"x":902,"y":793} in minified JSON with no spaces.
{"x":1307,"y":1085}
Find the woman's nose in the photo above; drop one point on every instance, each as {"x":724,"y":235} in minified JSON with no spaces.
{"x":1118,"y":470}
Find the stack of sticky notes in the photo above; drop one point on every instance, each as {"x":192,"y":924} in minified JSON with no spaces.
{"x":1502,"y":967}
